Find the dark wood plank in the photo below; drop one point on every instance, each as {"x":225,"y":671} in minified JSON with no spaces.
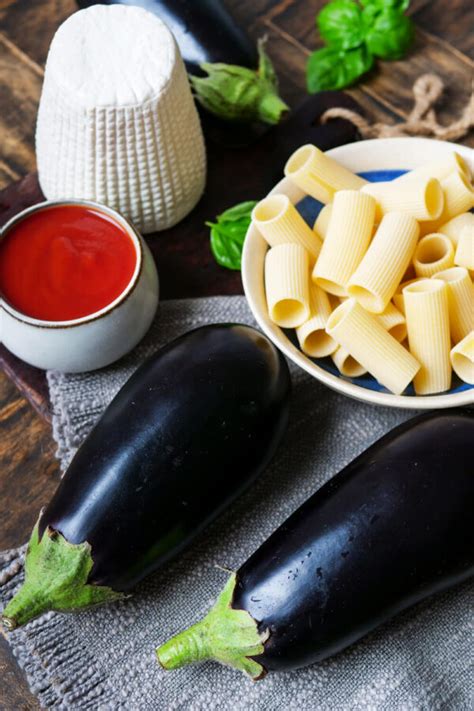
{"x":453,"y":22}
{"x":29,"y":469}
{"x":14,"y":692}
{"x":20,"y":86}
{"x":29,"y":474}
{"x":31,"y":24}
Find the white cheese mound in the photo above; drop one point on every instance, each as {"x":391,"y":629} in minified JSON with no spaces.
{"x":117,"y":122}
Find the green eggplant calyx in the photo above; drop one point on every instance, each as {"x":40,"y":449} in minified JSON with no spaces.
{"x":240,"y":94}
{"x":56,"y":574}
{"x":271,"y":108}
{"x":229,"y":636}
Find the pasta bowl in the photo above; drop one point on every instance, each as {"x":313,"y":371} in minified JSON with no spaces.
{"x":376,"y":160}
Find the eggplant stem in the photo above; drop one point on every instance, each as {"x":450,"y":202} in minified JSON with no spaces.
{"x":56,"y":574}
{"x":229,"y":636}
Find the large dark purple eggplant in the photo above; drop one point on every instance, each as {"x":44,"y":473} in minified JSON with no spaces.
{"x":390,"y":529}
{"x":192,"y":427}
{"x":204,"y":30}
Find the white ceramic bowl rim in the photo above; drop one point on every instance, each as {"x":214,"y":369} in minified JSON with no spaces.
{"x":360,"y":156}
{"x":120,"y":219}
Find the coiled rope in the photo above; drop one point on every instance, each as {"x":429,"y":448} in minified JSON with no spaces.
{"x":422,"y":120}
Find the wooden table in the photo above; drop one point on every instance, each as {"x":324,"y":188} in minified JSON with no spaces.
{"x":444,"y":44}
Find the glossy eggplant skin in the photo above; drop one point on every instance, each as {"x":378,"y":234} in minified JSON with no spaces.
{"x":204,"y":30}
{"x":390,"y":529}
{"x":192,"y":427}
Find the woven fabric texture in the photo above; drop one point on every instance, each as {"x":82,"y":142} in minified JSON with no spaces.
{"x":104,"y":658}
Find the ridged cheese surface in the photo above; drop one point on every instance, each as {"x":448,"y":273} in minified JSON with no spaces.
{"x":117,"y":122}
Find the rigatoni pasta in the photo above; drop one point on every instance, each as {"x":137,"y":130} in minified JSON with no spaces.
{"x":361,"y":334}
{"x":319,"y":175}
{"x":438,"y":168}
{"x":376,"y":278}
{"x":433,"y":254}
{"x":398,"y":299}
{"x":346,"y":364}
{"x":322,"y":221}
{"x":460,"y":301}
{"x":348,"y":236}
{"x":394,"y":322}
{"x":279,"y":222}
{"x":462,"y":359}
{"x":287,"y":285}
{"x":427,"y":317}
{"x":374,"y":284}
{"x":458,"y":198}
{"x":312,"y":336}
{"x":422,"y":199}
{"x":455,"y":226}
{"x":464,"y":256}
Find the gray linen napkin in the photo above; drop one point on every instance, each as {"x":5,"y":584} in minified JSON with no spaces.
{"x":104,"y":658}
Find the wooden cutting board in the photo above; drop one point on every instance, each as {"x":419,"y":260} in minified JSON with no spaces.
{"x":185,"y":264}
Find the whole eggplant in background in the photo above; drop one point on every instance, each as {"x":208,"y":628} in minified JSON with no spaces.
{"x":191,"y":428}
{"x":392,"y":528}
{"x":204,"y":30}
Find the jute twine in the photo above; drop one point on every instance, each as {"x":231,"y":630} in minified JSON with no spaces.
{"x":422,"y":120}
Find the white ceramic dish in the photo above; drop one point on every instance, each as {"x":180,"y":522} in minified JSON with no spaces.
{"x":373,"y":155}
{"x":95,"y":340}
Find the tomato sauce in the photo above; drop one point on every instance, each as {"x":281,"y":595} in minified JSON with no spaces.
{"x":65,"y":262}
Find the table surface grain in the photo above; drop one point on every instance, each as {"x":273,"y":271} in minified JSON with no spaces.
{"x":444,"y":44}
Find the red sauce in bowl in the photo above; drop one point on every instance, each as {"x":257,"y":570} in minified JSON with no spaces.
{"x":65,"y":262}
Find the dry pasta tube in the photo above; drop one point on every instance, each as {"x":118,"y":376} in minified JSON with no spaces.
{"x":312,"y":336}
{"x":346,"y":364}
{"x":462,"y":359}
{"x":439,"y":168}
{"x":433,"y":254}
{"x":460,"y":301}
{"x":455,"y":226}
{"x":287,"y":285}
{"x":322,"y":221}
{"x":427,"y":316}
{"x":361,"y":334}
{"x":319,"y":175}
{"x":464,"y":256}
{"x":422,"y":199}
{"x":376,"y":278}
{"x":279,"y":222}
{"x":347,"y":239}
{"x":458,"y":198}
{"x":394,"y":322}
{"x":398,"y":295}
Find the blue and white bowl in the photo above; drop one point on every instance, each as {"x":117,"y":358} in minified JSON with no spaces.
{"x":376,"y":160}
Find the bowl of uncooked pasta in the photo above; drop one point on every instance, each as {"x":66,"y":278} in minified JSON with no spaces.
{"x":358,"y":265}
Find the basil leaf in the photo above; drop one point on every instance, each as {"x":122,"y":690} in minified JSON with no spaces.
{"x":340,"y":24}
{"x":228,"y":234}
{"x":243,"y":209}
{"x":330,"y":68}
{"x":401,"y":5}
{"x":391,"y":35}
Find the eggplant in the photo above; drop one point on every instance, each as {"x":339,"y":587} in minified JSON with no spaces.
{"x":192,"y":427}
{"x":204,"y":30}
{"x":392,"y":528}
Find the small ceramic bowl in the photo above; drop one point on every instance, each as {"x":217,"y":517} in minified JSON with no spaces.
{"x":378,"y":159}
{"x":95,"y":340}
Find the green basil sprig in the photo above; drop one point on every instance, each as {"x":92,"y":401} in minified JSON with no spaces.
{"x":239,"y":94}
{"x":355,"y":33}
{"x":228,"y":234}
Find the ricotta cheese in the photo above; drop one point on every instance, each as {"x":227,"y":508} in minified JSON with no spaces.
{"x":117,"y":122}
